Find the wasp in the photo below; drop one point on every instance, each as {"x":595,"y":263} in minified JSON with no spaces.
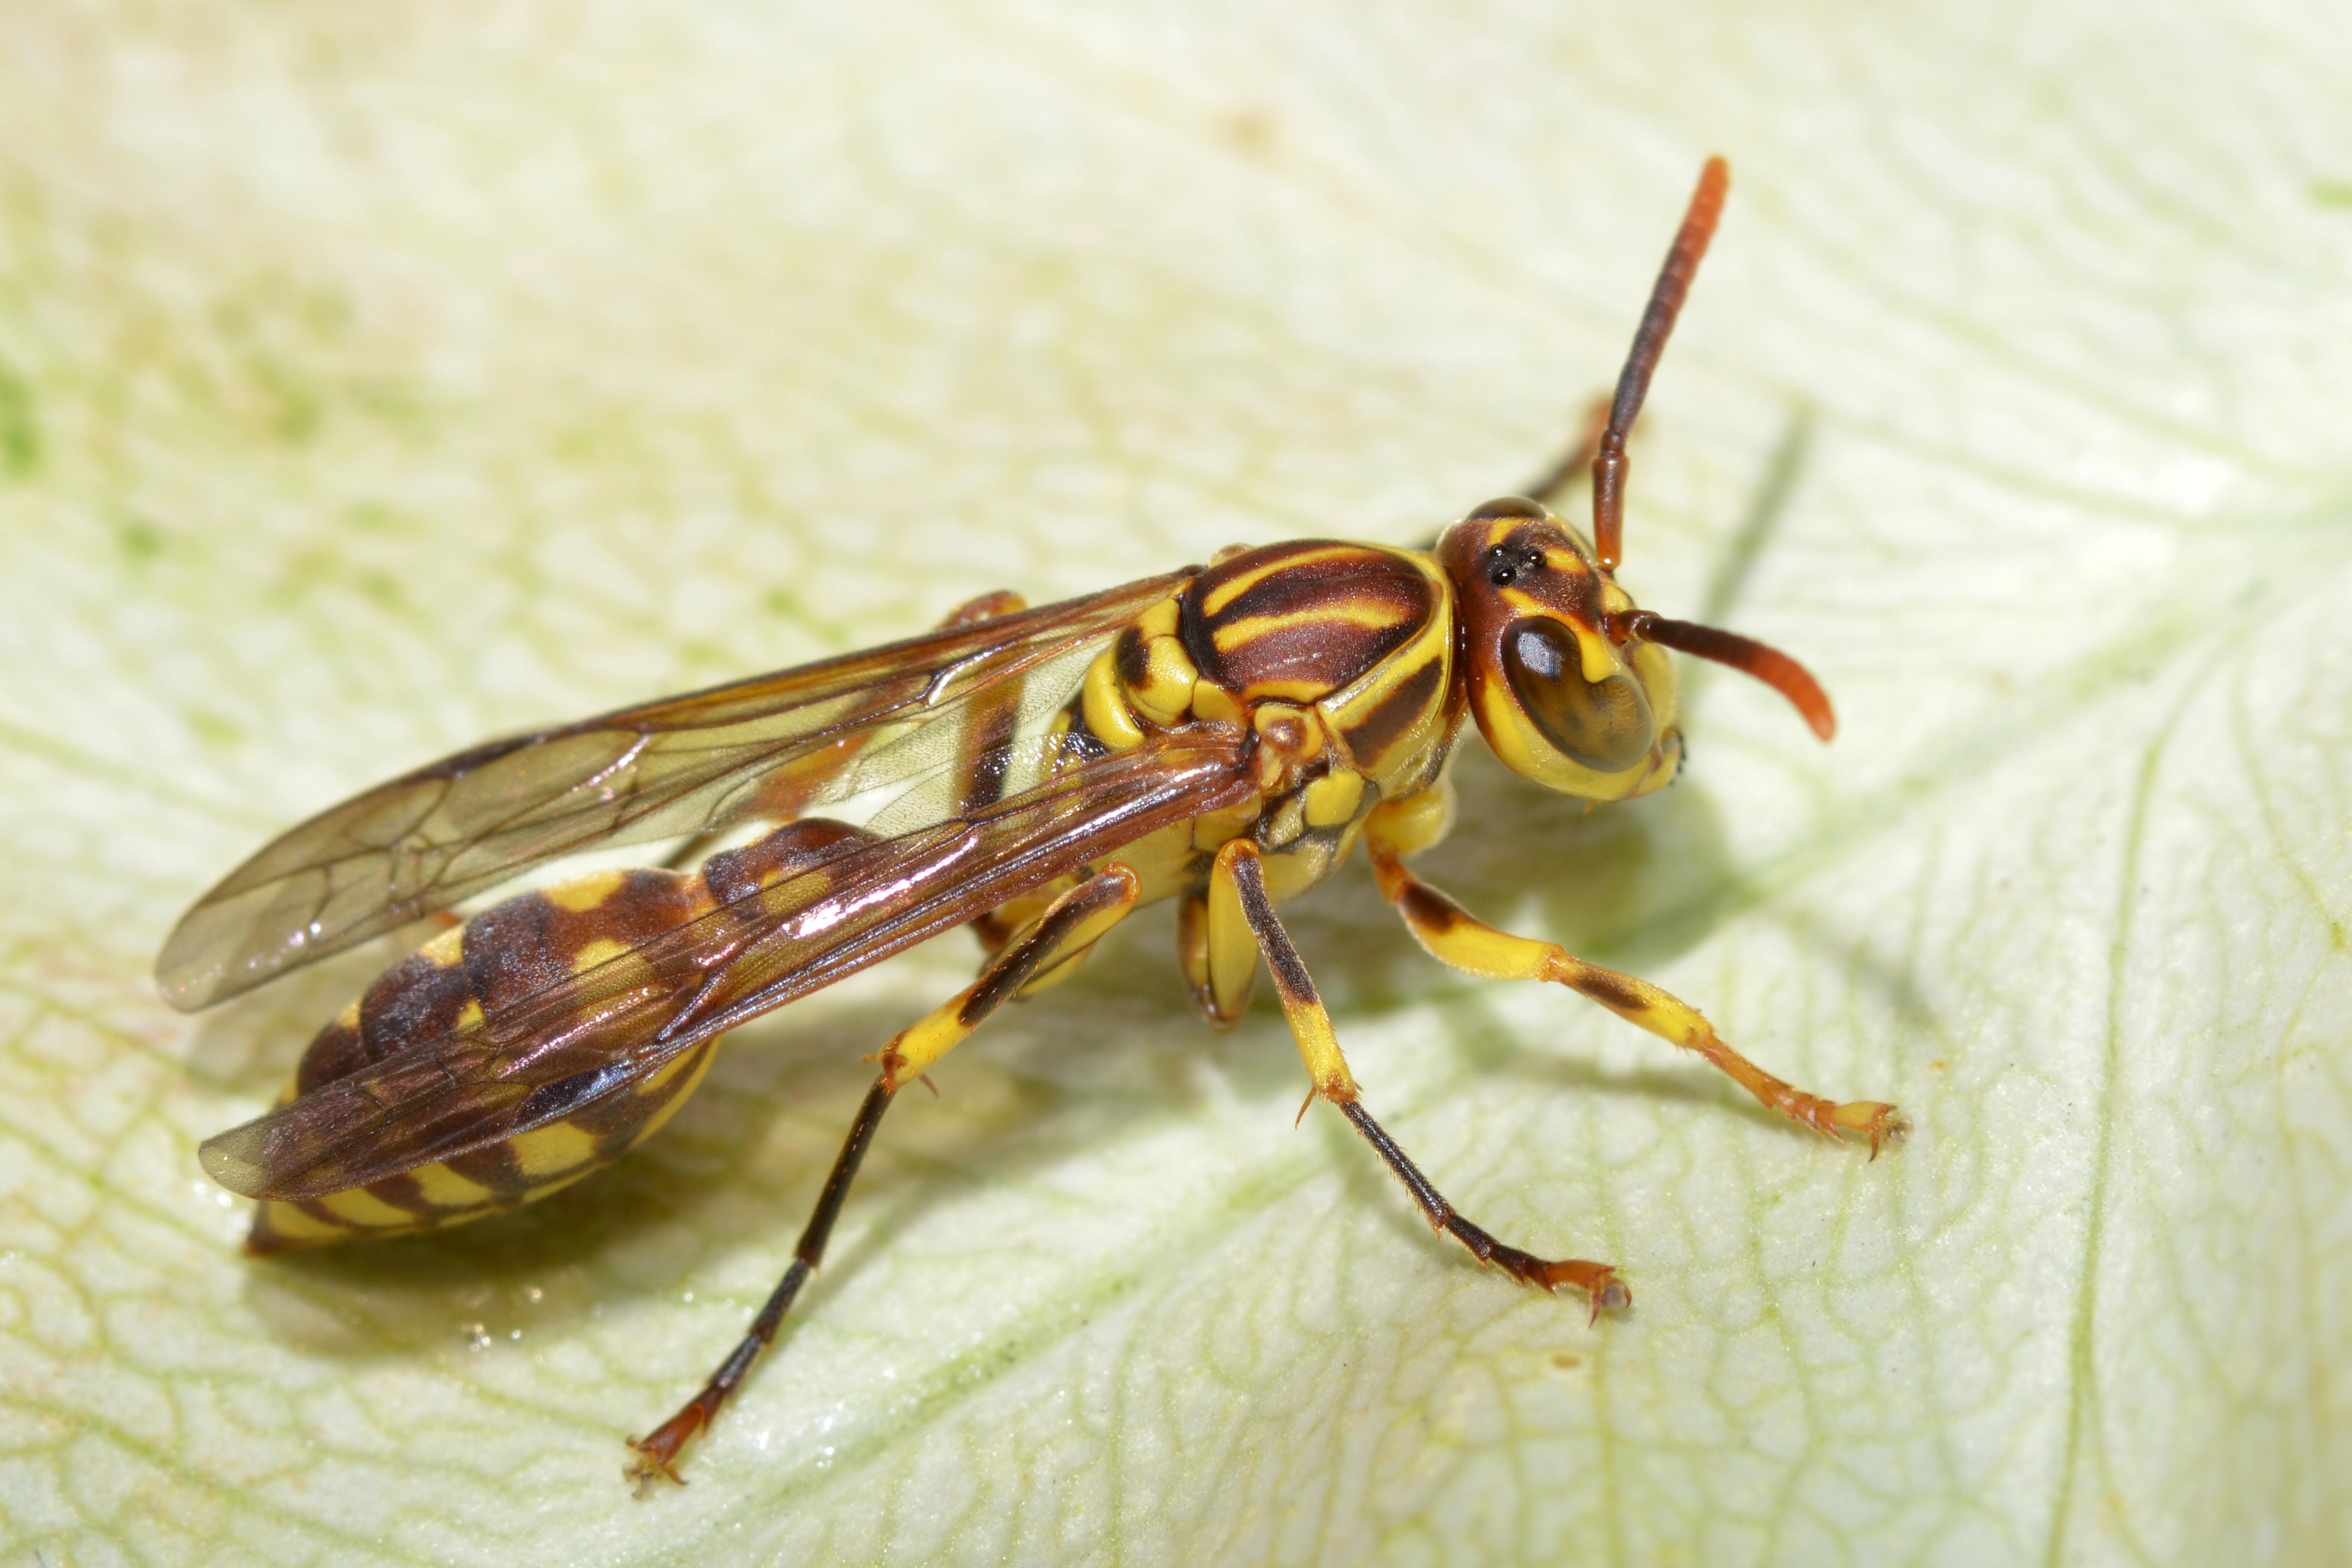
{"x":1223,"y":735}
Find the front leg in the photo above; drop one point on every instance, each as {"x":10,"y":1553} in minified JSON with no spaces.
{"x":1238,"y":895}
{"x":1454,"y":936}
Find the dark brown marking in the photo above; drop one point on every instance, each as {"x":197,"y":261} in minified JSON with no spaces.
{"x":415,"y":1000}
{"x":1079,"y":742}
{"x":519,"y":947}
{"x":1324,"y":652}
{"x":1130,"y":659}
{"x":987,"y":756}
{"x":1282,"y":960}
{"x":322,"y":1214}
{"x":1426,"y":909}
{"x":510,"y":952}
{"x":334,"y":1052}
{"x":494,"y":1166}
{"x":1394,"y":717}
{"x":1506,"y":505}
{"x":612,"y":1118}
{"x":1610,"y":990}
{"x":404,"y":1192}
{"x":1018,"y":964}
{"x":791,"y":850}
{"x":574,"y":1097}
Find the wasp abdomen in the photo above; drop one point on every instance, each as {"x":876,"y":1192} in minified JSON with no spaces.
{"x":508,"y":953}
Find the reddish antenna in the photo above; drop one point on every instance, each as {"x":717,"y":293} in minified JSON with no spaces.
{"x":1642,"y":360}
{"x":1746,"y":655}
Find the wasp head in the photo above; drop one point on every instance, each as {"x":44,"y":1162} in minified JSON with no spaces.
{"x":1568,"y":680}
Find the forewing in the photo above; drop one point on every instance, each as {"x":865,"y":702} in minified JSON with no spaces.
{"x":768,"y":747}
{"x":545,"y":1057}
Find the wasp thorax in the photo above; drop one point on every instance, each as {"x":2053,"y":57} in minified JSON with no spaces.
{"x":1558,"y":697}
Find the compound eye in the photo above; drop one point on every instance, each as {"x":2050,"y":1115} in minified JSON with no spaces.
{"x":1606,"y":726}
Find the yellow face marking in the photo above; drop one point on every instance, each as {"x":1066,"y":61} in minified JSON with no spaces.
{"x":349,"y":1018}
{"x":578,"y":895}
{"x":604,"y":949}
{"x":1598,"y":659}
{"x":441,"y":952}
{"x":1332,"y":799}
{"x":551,"y":1150}
{"x":445,"y":1189}
{"x":366,"y":1211}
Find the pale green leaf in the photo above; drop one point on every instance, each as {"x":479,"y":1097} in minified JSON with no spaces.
{"x":376,"y":378}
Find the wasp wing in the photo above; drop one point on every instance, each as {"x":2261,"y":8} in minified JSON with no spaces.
{"x":768,"y":747}
{"x":564,"y":1048}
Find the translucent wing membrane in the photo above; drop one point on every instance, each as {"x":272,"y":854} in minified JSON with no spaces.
{"x":766,"y":748}
{"x":554,"y":1052}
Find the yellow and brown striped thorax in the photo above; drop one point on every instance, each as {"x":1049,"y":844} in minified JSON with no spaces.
{"x":1359,"y":634}
{"x":513,"y":951}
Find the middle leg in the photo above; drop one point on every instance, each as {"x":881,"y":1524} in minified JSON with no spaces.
{"x":1238,"y":885}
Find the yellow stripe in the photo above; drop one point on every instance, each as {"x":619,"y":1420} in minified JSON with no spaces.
{"x":365,"y":1211}
{"x":578,"y":895}
{"x":604,"y":949}
{"x":446,"y":949}
{"x":1371,"y":615}
{"x":276,"y":1224}
{"x":1332,"y":799}
{"x":445,"y":1189}
{"x":551,"y":1150}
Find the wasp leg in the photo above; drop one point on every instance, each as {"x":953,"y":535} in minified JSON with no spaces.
{"x":1218,"y":952}
{"x":1069,"y":926}
{"x":1454,"y":936}
{"x":1237,"y":877}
